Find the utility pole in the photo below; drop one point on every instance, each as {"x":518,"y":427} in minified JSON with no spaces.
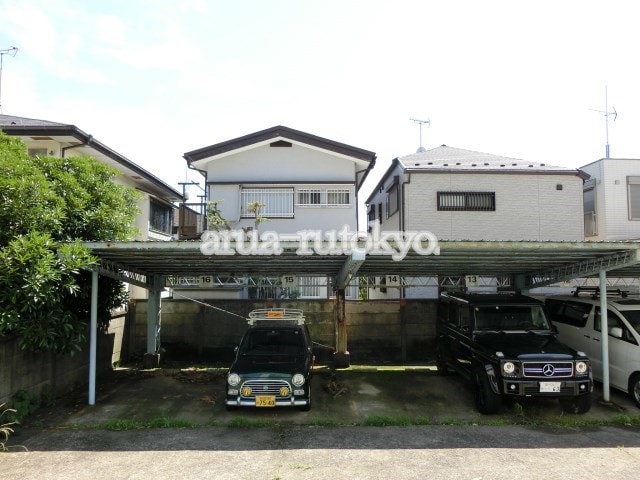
{"x":7,"y":51}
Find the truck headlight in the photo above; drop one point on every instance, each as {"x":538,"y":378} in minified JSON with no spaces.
{"x":581,"y":368}
{"x":508,"y":368}
{"x":298,"y":380}
{"x":233,"y":379}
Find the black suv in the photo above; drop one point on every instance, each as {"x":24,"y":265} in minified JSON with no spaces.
{"x":507,"y":346}
{"x":273,"y":363}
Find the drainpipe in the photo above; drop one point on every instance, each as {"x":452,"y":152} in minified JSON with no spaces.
{"x":63,"y":150}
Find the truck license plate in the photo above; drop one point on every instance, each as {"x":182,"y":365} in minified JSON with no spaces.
{"x":265,"y":401}
{"x":550,"y":387}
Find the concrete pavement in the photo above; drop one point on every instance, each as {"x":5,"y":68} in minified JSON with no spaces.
{"x":330,"y":441}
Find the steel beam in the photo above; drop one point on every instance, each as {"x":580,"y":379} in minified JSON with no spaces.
{"x":585,"y":268}
{"x":349,"y":269}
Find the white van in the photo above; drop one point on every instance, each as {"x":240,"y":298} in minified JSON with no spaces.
{"x":577,"y":319}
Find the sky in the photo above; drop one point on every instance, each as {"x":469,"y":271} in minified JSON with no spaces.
{"x":153,"y":79}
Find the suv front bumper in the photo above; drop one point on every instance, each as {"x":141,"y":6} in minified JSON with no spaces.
{"x":545,"y":388}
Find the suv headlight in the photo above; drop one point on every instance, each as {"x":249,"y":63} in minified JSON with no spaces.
{"x":508,"y":368}
{"x":298,"y":379}
{"x":233,"y":379}
{"x":581,"y":368}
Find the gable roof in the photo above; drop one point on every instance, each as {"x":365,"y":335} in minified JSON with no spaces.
{"x":76,"y":139}
{"x":196,"y":158}
{"x":274,"y":133}
{"x":458,"y":159}
{"x":444,"y":159}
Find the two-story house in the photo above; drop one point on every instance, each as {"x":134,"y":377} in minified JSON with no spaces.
{"x":459,"y":194}
{"x":612,"y":199}
{"x":302,"y":181}
{"x":42,"y":137}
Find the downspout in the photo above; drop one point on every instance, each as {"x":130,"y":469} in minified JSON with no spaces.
{"x":406,"y":178}
{"x":87,"y":142}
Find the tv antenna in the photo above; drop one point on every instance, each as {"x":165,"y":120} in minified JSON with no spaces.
{"x":607,"y":114}
{"x":420,"y":123}
{"x":7,"y":51}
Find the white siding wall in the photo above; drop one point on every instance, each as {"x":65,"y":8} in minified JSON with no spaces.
{"x":595,"y":171}
{"x":298,"y":167}
{"x":528,"y":207}
{"x":614,"y":189}
{"x":281,"y":164}
{"x":380,"y":198}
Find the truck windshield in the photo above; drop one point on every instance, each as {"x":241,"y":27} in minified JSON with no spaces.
{"x":511,"y":317}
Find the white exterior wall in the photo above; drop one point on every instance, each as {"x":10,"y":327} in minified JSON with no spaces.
{"x":528,"y":207}
{"x":280,"y":164}
{"x":321,"y":217}
{"x":281,"y":167}
{"x":380,"y":198}
{"x":612,"y":207}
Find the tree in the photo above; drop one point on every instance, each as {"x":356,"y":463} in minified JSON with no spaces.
{"x":256,"y":208}
{"x":47,"y":207}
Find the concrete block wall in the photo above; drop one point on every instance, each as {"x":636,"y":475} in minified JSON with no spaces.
{"x":46,"y":372}
{"x":378,"y":331}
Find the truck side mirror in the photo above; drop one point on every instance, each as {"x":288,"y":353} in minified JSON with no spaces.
{"x":615,"y":332}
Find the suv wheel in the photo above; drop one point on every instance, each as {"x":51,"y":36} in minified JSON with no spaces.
{"x":581,"y":404}
{"x":634,"y":389}
{"x":487,"y":401}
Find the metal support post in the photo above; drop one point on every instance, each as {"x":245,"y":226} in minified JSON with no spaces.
{"x":604,"y":335}
{"x":152,"y":358}
{"x":93,"y":337}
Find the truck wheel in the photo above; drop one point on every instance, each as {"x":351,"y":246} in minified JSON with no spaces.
{"x":487,"y":401}
{"x":634,"y":389}
{"x":580,"y":404}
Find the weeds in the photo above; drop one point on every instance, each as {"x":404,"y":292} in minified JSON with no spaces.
{"x":130,"y":424}
{"x":5,"y":428}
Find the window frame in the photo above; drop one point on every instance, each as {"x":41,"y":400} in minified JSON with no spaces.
{"x":167,"y":214}
{"x":633,"y":181}
{"x":260,"y":194}
{"x":468,"y":201}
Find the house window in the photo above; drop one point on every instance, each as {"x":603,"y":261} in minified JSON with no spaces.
{"x":278,"y":202}
{"x":467,"y":201}
{"x":160,"y":217}
{"x":371,"y":214}
{"x":308,"y":197}
{"x":331,"y":197}
{"x":392,"y":200}
{"x":589,"y":202}
{"x":633,"y":189}
{"x":312,"y":287}
{"x":37,"y":152}
{"x":338,"y":197}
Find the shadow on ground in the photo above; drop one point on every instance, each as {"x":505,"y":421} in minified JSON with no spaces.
{"x":181,"y":395}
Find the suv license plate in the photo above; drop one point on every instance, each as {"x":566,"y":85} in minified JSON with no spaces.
{"x":266,"y":401}
{"x":550,"y":387}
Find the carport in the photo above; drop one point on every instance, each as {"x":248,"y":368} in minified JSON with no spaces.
{"x":529,"y":264}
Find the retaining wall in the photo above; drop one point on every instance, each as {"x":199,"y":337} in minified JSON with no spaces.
{"x":378,"y":331}
{"x":52,"y":374}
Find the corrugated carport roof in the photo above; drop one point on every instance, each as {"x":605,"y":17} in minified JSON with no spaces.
{"x":539,"y":263}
